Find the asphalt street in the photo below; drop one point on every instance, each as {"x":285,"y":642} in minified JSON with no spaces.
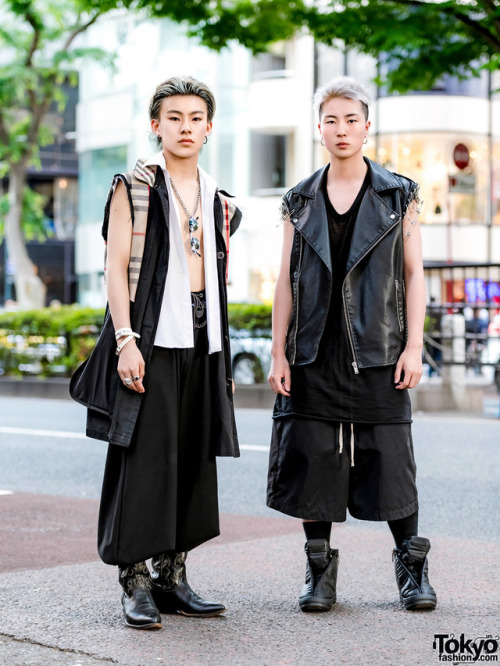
{"x":51,"y":475}
{"x":43,"y":450}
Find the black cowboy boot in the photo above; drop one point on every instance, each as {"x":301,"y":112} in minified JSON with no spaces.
{"x":412,"y":574}
{"x":319,"y":592}
{"x":138,"y":605}
{"x":172,"y":592}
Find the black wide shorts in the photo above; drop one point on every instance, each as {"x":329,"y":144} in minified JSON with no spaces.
{"x":312,"y":475}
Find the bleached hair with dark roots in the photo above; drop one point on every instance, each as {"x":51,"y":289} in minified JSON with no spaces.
{"x":343,"y":86}
{"x":180,"y":85}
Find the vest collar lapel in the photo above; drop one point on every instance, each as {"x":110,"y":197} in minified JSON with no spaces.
{"x":311,"y":221}
{"x":375,"y":218}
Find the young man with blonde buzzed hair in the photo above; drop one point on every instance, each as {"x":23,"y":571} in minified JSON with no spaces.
{"x":348,"y":321}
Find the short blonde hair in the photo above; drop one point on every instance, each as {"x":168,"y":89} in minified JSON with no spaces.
{"x":343,"y":86}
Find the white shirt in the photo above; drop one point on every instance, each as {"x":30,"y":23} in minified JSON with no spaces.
{"x":175,"y":325}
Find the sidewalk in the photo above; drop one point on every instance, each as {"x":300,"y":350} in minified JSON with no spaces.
{"x":428,"y":397}
{"x":257,"y":396}
{"x":60,"y":605}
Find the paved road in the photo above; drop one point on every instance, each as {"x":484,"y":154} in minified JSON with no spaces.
{"x":43,"y":450}
{"x":59,"y":604}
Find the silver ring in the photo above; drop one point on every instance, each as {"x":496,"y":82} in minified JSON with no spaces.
{"x":135,"y":379}
{"x":128,"y":381}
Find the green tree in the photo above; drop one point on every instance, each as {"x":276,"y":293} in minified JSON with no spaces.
{"x":422,"y":39}
{"x":40,"y":50}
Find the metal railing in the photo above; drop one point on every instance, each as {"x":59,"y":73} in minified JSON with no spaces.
{"x":463,"y":316}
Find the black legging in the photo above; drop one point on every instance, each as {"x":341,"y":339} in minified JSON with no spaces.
{"x":403,"y":528}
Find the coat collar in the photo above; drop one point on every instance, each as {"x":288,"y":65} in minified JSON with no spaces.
{"x":375,"y":217}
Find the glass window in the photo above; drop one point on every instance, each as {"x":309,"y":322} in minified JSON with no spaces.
{"x":495,"y":183}
{"x":97,"y":168}
{"x":363,"y":68}
{"x":271,"y":63}
{"x":268,"y":163}
{"x":65,"y":206}
{"x":330,"y":63}
{"x":471,"y":86}
{"x":450,"y":193}
{"x":225,"y":162}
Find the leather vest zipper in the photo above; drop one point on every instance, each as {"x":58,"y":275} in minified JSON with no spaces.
{"x":296,"y":288}
{"x":347,"y":321}
{"x":399,"y":310}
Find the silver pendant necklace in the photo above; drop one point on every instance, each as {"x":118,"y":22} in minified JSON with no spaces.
{"x":191,"y":219}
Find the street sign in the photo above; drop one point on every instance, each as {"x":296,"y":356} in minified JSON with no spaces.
{"x":461,"y":156}
{"x":462,"y":183}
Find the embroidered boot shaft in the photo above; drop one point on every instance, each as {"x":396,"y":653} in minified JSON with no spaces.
{"x":172,"y":592}
{"x":139,"y":608}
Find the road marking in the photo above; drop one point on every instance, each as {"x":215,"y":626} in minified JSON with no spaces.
{"x":6,"y":492}
{"x":80,"y":435}
{"x":253,"y":447}
{"x":42,"y":433}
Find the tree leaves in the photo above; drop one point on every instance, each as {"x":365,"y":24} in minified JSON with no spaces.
{"x":33,"y":215}
{"x":422,"y":39}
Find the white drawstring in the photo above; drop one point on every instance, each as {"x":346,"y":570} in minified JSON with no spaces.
{"x":352,"y":444}
{"x":341,"y":442}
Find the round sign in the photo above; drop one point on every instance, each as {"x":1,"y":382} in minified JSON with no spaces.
{"x":461,"y":156}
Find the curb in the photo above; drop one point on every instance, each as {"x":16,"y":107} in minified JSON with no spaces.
{"x":249,"y":396}
{"x":425,"y":398}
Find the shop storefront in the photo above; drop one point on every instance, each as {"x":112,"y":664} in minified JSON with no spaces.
{"x":454,"y":173}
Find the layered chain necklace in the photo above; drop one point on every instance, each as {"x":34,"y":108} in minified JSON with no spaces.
{"x":192,"y":221}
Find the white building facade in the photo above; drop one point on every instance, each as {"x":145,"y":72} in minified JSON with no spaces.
{"x":265,"y":140}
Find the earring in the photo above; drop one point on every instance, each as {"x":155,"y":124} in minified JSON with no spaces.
{"x":365,"y":140}
{"x":206,"y":140}
{"x":322,"y":141}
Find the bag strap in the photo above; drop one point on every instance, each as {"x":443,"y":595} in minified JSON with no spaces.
{"x":139,"y":196}
{"x":226,"y":218}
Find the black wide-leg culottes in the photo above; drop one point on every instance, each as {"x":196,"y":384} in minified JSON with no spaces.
{"x":160,"y":494}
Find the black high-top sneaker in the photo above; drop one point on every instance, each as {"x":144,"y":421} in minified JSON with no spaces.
{"x":412,"y":574}
{"x":171,"y":591}
{"x":319,"y":592}
{"x":138,"y":606}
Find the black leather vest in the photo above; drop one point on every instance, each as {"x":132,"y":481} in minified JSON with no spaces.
{"x":373,"y":289}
